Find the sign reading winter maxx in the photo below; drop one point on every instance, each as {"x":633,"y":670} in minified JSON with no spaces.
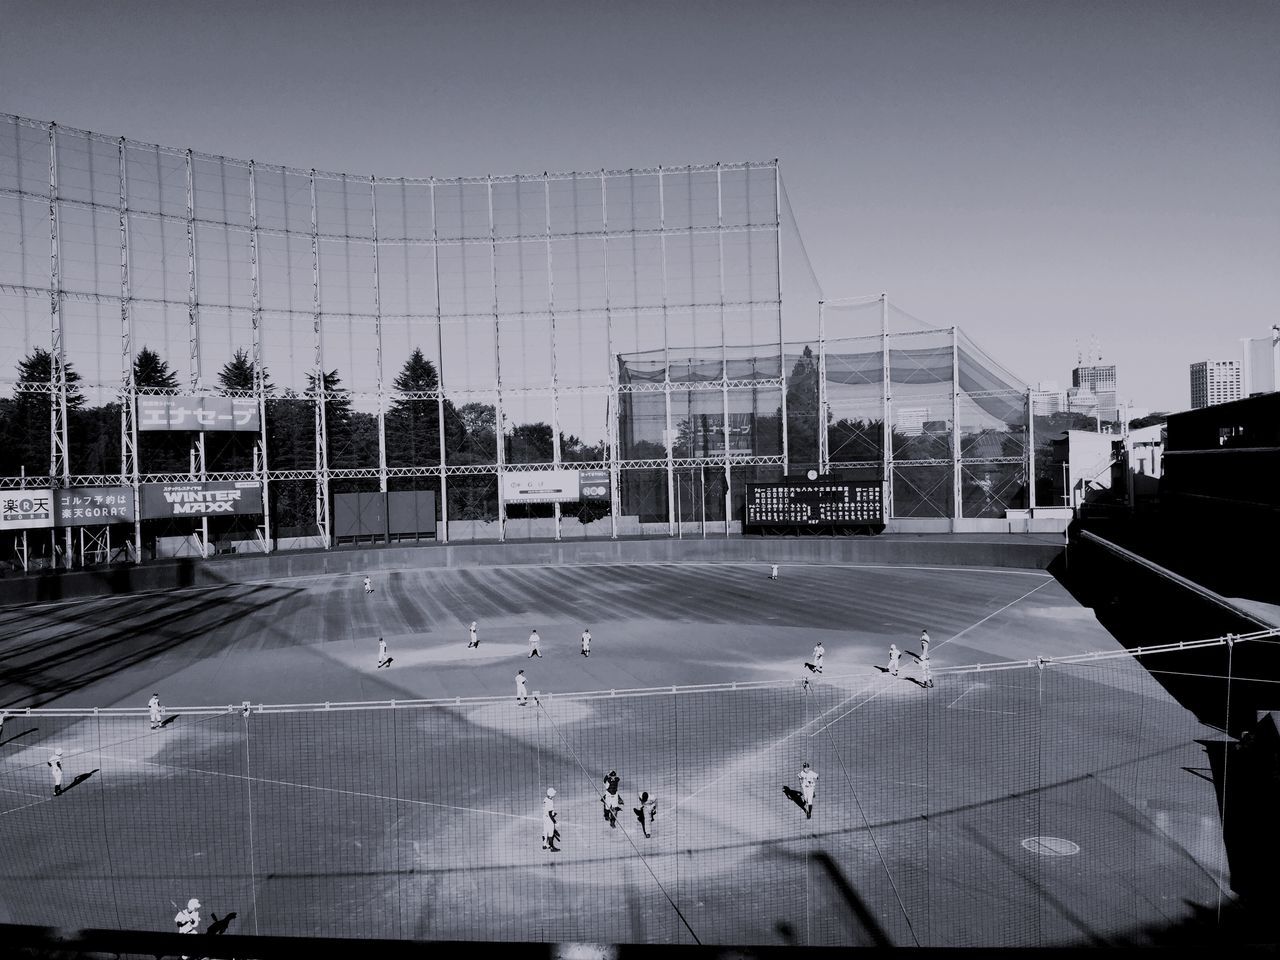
{"x":207,"y":499}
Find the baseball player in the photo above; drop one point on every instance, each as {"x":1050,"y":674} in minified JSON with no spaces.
{"x":4,"y":715}
{"x":55,"y":768}
{"x":534,"y":640}
{"x":154,"y":708}
{"x":895,"y":655}
{"x":550,"y":833}
{"x":368,"y":586}
{"x":383,"y":659}
{"x":188,"y":920}
{"x":924,"y":644}
{"x":611,"y":799}
{"x":773,"y":571}
{"x":926,"y":672}
{"x":522,"y":693}
{"x":475,"y":640}
{"x":808,"y":783}
{"x":645,"y":813}
{"x":819,"y":651}
{"x":586,"y":643}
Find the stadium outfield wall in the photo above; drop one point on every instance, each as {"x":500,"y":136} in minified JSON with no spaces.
{"x":1021,"y":552}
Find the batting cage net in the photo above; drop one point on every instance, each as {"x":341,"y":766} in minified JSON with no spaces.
{"x":958,"y":806}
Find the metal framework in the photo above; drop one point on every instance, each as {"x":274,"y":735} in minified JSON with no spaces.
{"x":672,"y":306}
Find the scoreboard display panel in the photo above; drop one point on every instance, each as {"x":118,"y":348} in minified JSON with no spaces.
{"x":815,"y":503}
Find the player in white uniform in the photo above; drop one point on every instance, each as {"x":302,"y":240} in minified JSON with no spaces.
{"x":533,"y":645}
{"x":383,"y":659}
{"x":550,"y":833}
{"x":155,"y":710}
{"x":926,"y":672}
{"x":4,"y":715}
{"x":55,"y":768}
{"x":188,"y":920}
{"x":645,"y":813}
{"x":808,"y":783}
{"x":819,"y":651}
{"x":522,"y":694}
{"x":773,"y":571}
{"x":368,"y":586}
{"x":895,"y":655}
{"x":924,"y":644}
{"x":475,"y":640}
{"x":586,"y":643}
{"x":611,"y":799}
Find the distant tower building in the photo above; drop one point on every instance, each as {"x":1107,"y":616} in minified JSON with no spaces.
{"x":1261,"y":372}
{"x":1214,"y":382}
{"x":1099,"y":380}
{"x":1082,"y":400}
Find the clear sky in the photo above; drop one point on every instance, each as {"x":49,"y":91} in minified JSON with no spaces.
{"x":1038,"y":172}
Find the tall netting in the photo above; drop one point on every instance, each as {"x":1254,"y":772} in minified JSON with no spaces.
{"x":1064,"y":802}
{"x":444,"y":337}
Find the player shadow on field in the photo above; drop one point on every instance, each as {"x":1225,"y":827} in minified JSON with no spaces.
{"x":80,"y":778}
{"x":794,"y":795}
{"x":168,"y":720}
{"x":20,"y":733}
{"x":220,"y":925}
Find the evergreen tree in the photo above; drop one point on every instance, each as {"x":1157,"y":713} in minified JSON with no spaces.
{"x":413,"y":424}
{"x":152,"y":373}
{"x":802,"y":411}
{"x":27,"y":437}
{"x":236,"y":375}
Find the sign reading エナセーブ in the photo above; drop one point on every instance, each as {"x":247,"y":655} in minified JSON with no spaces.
{"x":207,"y":499}
{"x":26,"y":509}
{"x":197,"y":413}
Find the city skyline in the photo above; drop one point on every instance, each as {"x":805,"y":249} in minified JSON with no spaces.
{"x":1030,"y":174}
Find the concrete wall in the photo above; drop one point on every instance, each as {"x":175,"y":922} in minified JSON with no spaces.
{"x":176,"y":574}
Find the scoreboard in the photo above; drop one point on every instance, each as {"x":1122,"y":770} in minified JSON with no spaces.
{"x":815,"y":503}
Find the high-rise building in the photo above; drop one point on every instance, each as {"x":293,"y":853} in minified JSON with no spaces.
{"x":1048,"y":398}
{"x":1261,"y":372}
{"x":1214,"y":382}
{"x":1082,"y":400}
{"x":1099,"y":380}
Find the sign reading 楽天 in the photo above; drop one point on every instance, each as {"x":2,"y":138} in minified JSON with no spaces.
{"x":200,"y":499}
{"x":26,"y":509}
{"x":198,"y":413}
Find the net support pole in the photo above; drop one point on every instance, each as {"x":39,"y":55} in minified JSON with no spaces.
{"x":320,"y":394}
{"x":886,"y":397}
{"x":1031,"y":450}
{"x":500,"y":418}
{"x":614,"y":397}
{"x":259,"y":381}
{"x":782,"y":348}
{"x":59,"y":460}
{"x":129,"y":397}
{"x":956,"y":469}
{"x":377,"y":346}
{"x":555,"y":381}
{"x":193,"y":334}
{"x":824,"y":449}
{"x":724,"y":365}
{"x":669,"y":439}
{"x":444,"y":455}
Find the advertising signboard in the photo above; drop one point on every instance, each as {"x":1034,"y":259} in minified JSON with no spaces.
{"x":198,"y":413}
{"x":540,"y":486}
{"x":26,"y":509}
{"x":593,"y":484}
{"x":200,"y":499}
{"x":90,"y":506}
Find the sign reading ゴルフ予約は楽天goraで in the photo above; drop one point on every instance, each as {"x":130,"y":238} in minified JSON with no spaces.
{"x":200,"y":499}
{"x":26,"y":509}
{"x":90,"y":506}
